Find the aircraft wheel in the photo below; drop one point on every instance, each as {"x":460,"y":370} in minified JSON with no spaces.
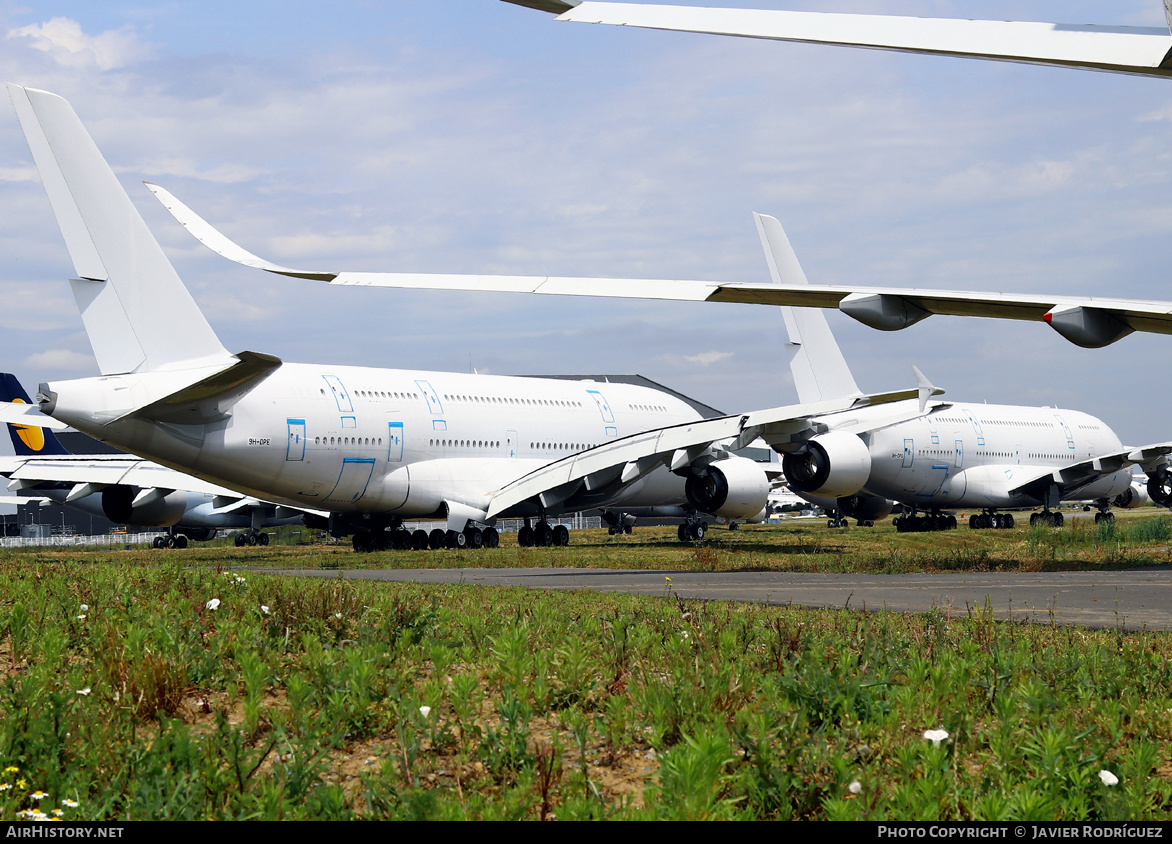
{"x":437,"y":539}
{"x":610,"y":531}
{"x":263,"y":539}
{"x":419,"y":540}
{"x":169,"y":542}
{"x":456,"y":539}
{"x":543,"y":535}
{"x":180,"y":541}
{"x":699,"y":530}
{"x":474,"y":537}
{"x":492,"y":539}
{"x":157,"y":542}
{"x":1009,"y":521}
{"x":682,"y":532}
{"x":628,"y":529}
{"x":733,"y":526}
{"x":525,"y":537}
{"x":358,"y":540}
{"x":561,"y":536}
{"x":252,"y":539}
{"x":1059,"y":520}
{"x":240,"y":541}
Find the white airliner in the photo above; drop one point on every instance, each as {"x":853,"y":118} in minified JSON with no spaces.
{"x":375,"y":446}
{"x":963,"y":456}
{"x":127,"y":489}
{"x":1144,"y":51}
{"x":972,"y":457}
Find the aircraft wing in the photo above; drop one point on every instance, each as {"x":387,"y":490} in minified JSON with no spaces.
{"x":1071,"y":478}
{"x":1086,"y":321}
{"x":1121,"y":49}
{"x":105,"y":470}
{"x":625,"y":460}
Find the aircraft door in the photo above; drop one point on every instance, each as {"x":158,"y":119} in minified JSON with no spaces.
{"x":958,"y":460}
{"x":511,"y":443}
{"x":603,"y":406}
{"x":352,"y":480}
{"x":909,"y":453}
{"x":296,"y":449}
{"x":341,"y":396}
{"x":433,"y":401}
{"x":395,"y":442}
{"x":1066,"y":430}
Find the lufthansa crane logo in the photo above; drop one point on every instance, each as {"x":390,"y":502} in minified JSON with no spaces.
{"x":30,"y":435}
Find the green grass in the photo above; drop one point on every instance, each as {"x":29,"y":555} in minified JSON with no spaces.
{"x":347,"y":699}
{"x":1140,"y":538}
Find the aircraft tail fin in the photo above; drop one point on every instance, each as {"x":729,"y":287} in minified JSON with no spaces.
{"x":137,"y":313}
{"x":27,"y":440}
{"x":819,"y":370}
{"x":1168,"y":13}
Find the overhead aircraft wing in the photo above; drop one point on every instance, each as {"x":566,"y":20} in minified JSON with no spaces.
{"x":1120,"y":49}
{"x":625,"y":460}
{"x":1069,"y":479}
{"x":1089,"y":322}
{"x":106,"y":470}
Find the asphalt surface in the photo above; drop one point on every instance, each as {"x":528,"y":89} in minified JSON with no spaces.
{"x":1138,"y":599}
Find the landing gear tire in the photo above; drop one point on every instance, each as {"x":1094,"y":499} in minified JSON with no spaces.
{"x":180,"y":541}
{"x":474,"y":537}
{"x":419,"y":540}
{"x":437,"y":539}
{"x":492,"y":539}
{"x":456,"y":540}
{"x":263,"y":539}
{"x":543,"y":535}
{"x":561,"y":536}
{"x":158,"y":541}
{"x":241,"y":541}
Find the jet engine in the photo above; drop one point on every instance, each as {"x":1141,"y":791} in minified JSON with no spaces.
{"x":1134,"y":496}
{"x":865,"y":507}
{"x":118,"y":505}
{"x":1160,"y":487}
{"x":735,"y":488}
{"x":835,"y":465}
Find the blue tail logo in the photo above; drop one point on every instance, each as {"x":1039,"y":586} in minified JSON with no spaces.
{"x":27,"y":440}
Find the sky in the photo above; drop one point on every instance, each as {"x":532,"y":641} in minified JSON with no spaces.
{"x":474,"y":136}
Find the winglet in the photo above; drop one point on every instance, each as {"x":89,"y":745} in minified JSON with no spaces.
{"x":926,"y":388}
{"x":209,"y":236}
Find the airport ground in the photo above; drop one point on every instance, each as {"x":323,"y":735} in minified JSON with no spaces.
{"x":147,"y":684}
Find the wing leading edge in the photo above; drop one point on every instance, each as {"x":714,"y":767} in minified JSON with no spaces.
{"x":1143,"y":51}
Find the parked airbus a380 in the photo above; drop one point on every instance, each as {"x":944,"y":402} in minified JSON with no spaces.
{"x":373,"y":446}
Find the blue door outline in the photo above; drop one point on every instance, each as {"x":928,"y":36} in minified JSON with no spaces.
{"x":395,"y":442}
{"x":296,"y":448}
{"x":353,"y":480}
{"x":603,"y":405}
{"x":433,"y":400}
{"x":909,"y":453}
{"x":341,"y":396}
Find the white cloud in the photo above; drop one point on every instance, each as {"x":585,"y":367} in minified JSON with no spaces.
{"x":61,"y":360}
{"x":708,"y":358}
{"x":64,"y":41}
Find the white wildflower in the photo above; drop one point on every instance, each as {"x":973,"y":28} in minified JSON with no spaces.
{"x":84,"y":691}
{"x":936,"y":736}
{"x":855,"y":787}
{"x":212,"y":604}
{"x":425,"y":711}
{"x":1108,"y":778}
{"x":84,"y":608}
{"x":264,"y":609}
{"x":72,"y":804}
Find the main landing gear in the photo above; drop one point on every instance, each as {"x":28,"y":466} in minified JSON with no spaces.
{"x":928,"y":523}
{"x":542,"y":535}
{"x":171,"y":540}
{"x":693,"y":529}
{"x":401,"y":539}
{"x":991,"y":519}
{"x":1048,"y":518}
{"x":1104,"y":514}
{"x":253,"y":537}
{"x":838,"y":519}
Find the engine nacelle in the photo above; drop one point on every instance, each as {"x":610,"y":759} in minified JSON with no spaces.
{"x":735,"y":488}
{"x":1160,"y":487}
{"x":118,"y":505}
{"x":836,"y":465}
{"x":1134,"y":496}
{"x":866,"y":508}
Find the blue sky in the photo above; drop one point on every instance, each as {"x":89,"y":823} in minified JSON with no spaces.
{"x":476,"y":136}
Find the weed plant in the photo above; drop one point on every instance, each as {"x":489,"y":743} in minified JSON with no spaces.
{"x":173,"y":692}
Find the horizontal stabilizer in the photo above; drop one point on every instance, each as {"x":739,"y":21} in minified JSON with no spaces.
{"x":210,"y":399}
{"x":29,"y":415}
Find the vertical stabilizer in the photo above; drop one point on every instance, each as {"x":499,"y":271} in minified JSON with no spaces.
{"x":137,"y":313}
{"x":819,"y":370}
{"x":27,"y":440}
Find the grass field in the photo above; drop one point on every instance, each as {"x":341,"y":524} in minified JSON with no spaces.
{"x":145,"y":684}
